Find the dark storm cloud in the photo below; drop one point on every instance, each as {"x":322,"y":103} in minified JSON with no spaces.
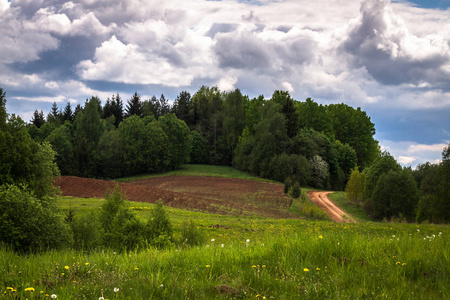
{"x":296,"y":51}
{"x":382,"y":44}
{"x":241,"y":51}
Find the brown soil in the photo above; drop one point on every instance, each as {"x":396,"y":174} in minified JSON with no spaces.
{"x":332,"y":210}
{"x":207,"y":194}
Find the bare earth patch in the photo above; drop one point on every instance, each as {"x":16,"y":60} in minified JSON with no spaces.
{"x":333,"y":211}
{"x":207,"y":194}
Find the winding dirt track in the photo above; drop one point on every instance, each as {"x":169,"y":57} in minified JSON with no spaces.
{"x":332,"y":210}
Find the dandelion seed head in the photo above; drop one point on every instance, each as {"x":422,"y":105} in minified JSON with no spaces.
{"x":116,"y":290}
{"x":53,"y":296}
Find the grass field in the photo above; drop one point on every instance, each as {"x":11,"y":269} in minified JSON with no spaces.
{"x":199,"y":170}
{"x":244,"y":258}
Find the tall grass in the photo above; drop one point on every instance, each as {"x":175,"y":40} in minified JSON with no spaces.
{"x":282,"y":259}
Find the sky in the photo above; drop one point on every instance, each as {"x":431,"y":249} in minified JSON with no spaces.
{"x":391,"y":58}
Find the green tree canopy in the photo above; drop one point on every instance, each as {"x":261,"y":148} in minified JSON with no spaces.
{"x":353,"y":126}
{"x":355,"y":186}
{"x":395,"y":195}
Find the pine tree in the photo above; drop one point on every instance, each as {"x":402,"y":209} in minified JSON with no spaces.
{"x":181,"y":107}
{"x":68,"y":113}
{"x":164,"y":107}
{"x":134,"y":106}
{"x":38,"y":118}
{"x":117,"y":109}
{"x":54,"y":113}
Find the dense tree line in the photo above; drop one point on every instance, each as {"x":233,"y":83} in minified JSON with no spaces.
{"x":388,"y":191}
{"x":278,"y":138}
{"x":30,"y":221}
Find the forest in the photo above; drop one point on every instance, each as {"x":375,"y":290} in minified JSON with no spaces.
{"x":283,"y":139}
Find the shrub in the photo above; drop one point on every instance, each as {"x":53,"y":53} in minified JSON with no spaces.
{"x":159,"y":229}
{"x":287,"y":185}
{"x":86,"y":231}
{"x":28,"y":224}
{"x":122,"y":229}
{"x":296,"y":190}
{"x":191,"y":235}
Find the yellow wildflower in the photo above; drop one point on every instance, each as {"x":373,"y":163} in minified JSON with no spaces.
{"x":306,"y":269}
{"x":30,"y":289}
{"x":66,"y":267}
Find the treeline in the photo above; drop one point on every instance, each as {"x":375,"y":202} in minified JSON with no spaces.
{"x":278,"y":138}
{"x":388,"y":191}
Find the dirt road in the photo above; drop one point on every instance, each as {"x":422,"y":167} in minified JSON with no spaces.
{"x":332,"y":210}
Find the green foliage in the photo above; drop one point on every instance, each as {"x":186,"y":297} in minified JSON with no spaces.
{"x":43,"y":170}
{"x":311,"y":210}
{"x":434,"y":204}
{"x":24,"y":161}
{"x":395,"y":195}
{"x":291,"y":115}
{"x":88,"y":131}
{"x":110,"y":155}
{"x":319,"y":171}
{"x":270,"y":137}
{"x":314,"y":116}
{"x":181,"y":107}
{"x":234,"y":121}
{"x":295,"y":191}
{"x":346,"y":157}
{"x":61,"y":141}
{"x":158,"y":228}
{"x":178,"y":146}
{"x":291,"y":166}
{"x":383,"y":164}
{"x":134,"y":106}
{"x":29,"y":224}
{"x":191,"y":235}
{"x":122,"y":229}
{"x":287,"y":185}
{"x":353,"y":126}
{"x":198,"y":154}
{"x":404,"y":267}
{"x":355,"y":186}
{"x":87,"y":232}
{"x":3,"y":114}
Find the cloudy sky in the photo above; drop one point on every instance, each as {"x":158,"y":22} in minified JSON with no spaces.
{"x":391,"y":58}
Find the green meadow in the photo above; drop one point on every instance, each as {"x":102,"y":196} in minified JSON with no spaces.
{"x":243,"y":258}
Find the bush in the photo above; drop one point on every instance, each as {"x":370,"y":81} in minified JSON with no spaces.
{"x":86,"y":231}
{"x":287,"y":185}
{"x":159,"y":230}
{"x":191,"y":235}
{"x":122,"y":229}
{"x":296,"y":190}
{"x":28,"y":224}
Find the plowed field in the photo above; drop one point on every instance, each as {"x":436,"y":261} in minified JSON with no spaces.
{"x":207,"y":194}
